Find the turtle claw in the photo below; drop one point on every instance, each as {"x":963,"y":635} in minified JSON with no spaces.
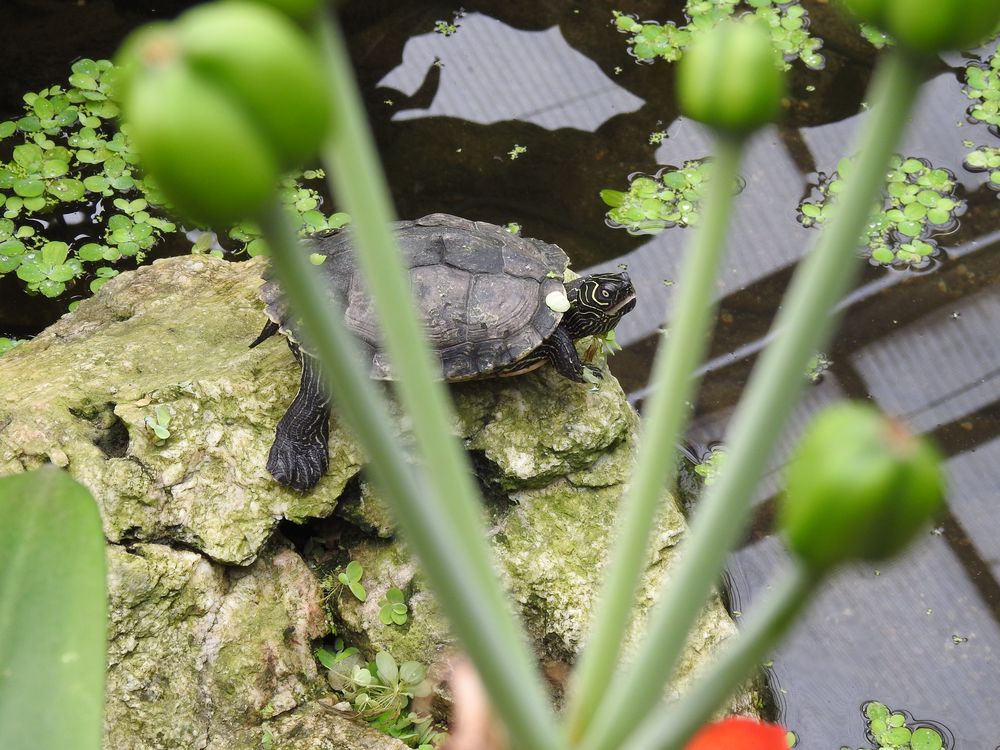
{"x":298,"y":465}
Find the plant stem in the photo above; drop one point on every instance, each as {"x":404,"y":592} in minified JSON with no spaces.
{"x":443,"y":521}
{"x":801,"y":328}
{"x":665,"y":415}
{"x":671,"y":728}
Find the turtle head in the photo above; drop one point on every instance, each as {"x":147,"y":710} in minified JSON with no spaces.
{"x":597,"y":303}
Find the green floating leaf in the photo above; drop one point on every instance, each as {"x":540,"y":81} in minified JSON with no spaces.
{"x":52,"y":613}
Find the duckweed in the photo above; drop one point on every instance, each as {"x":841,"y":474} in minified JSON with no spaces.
{"x":652,"y":203}
{"x":66,"y":154}
{"x":788,"y":23}
{"x":894,"y":730}
{"x":985,"y":159}
{"x":982,"y":85}
{"x":918,"y":201}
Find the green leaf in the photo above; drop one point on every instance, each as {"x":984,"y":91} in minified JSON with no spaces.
{"x":160,"y":431}
{"x":29,"y":187}
{"x":327,"y":658}
{"x":358,"y":590}
{"x":926,"y":738}
{"x":52,"y":613}
{"x":354,"y":571}
{"x":67,"y":189}
{"x":61,"y":273}
{"x":54,"y":253}
{"x":30,"y":273}
{"x":162,"y":415}
{"x":388,"y":672}
{"x":7,"y":128}
{"x":51,"y":288}
{"x":613,"y":198}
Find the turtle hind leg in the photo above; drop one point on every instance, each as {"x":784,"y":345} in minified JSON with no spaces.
{"x":299,"y":455}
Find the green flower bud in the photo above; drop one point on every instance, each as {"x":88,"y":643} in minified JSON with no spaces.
{"x":931,"y":26}
{"x":206,"y":156}
{"x":731,"y":77}
{"x":219,"y":102}
{"x":258,"y":56}
{"x":859,"y":487}
{"x":301,"y":10}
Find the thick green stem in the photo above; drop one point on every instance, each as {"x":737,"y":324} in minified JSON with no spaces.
{"x":443,"y":521}
{"x":666,"y":413}
{"x":672,"y":727}
{"x":801,"y":329}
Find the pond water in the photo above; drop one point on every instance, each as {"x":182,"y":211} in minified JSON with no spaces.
{"x":524,"y":112}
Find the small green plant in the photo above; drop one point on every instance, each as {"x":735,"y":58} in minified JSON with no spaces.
{"x":671,"y":197}
{"x":982,"y":85}
{"x":875,"y":36}
{"x":392,"y":608}
{"x":918,"y":201}
{"x":158,"y":423}
{"x":711,"y":464}
{"x":787,"y":22}
{"x":351,"y":578}
{"x":889,"y":730}
{"x":6,"y":344}
{"x":817,"y":366}
{"x":985,"y":159}
{"x":380,"y":687}
{"x":517,"y":151}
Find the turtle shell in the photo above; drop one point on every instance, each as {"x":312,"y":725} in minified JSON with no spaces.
{"x":481,"y":291}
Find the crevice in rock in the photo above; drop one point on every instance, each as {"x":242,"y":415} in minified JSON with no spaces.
{"x":110,"y":432}
{"x":490,"y":478}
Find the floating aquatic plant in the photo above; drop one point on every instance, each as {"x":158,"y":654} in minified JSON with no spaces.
{"x":6,"y":344}
{"x":982,"y":85}
{"x":788,"y":23}
{"x":68,"y":154}
{"x":985,"y":159}
{"x":891,"y":730}
{"x":918,"y":201}
{"x":652,"y":203}
{"x":875,"y":36}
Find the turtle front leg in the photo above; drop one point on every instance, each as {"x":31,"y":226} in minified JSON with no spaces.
{"x":299,"y":455}
{"x":559,"y":350}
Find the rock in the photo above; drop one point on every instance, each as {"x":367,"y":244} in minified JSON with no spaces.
{"x":213,"y":615}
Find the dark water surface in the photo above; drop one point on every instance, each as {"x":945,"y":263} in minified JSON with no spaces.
{"x":921,"y":634}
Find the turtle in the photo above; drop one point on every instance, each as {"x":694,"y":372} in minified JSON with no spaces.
{"x":487,"y":297}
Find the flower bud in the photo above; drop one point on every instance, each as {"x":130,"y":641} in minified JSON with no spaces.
{"x":203,"y":152}
{"x":731,"y":77}
{"x":220,"y":101}
{"x":859,"y":487}
{"x":930,"y":26}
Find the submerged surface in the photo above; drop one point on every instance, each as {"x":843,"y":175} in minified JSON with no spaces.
{"x":524,"y":112}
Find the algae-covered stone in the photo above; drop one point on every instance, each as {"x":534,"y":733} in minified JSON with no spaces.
{"x":198,"y":653}
{"x":175,"y":335}
{"x":213,"y":619}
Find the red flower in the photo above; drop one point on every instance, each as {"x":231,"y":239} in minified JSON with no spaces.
{"x":739,"y":733}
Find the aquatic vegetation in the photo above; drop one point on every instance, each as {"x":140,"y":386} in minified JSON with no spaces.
{"x":652,"y":203}
{"x":985,"y":159}
{"x":788,"y":23}
{"x":6,"y":344}
{"x":516,"y":151}
{"x":918,"y":201}
{"x":711,"y":464}
{"x":351,"y":578}
{"x":891,"y":730}
{"x":817,"y":366}
{"x":67,"y":154}
{"x":982,"y":85}
{"x":875,"y":36}
{"x":392,"y":608}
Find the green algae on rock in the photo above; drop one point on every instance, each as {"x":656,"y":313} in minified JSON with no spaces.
{"x":213,"y":618}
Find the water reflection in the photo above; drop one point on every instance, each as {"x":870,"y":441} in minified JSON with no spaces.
{"x":491,"y":72}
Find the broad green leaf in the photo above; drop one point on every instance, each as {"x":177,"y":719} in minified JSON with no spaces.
{"x":52,"y":613}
